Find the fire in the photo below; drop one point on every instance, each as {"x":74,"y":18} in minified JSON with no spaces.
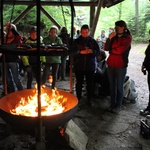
{"x":50,"y":104}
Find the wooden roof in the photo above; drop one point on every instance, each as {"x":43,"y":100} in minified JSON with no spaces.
{"x":95,"y":8}
{"x":106,"y":3}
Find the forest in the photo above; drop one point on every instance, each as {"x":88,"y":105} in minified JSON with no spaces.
{"x":134,"y":12}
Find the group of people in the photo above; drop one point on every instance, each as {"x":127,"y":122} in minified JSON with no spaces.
{"x":118,"y":45}
{"x":86,"y":63}
{"x":101,"y":39}
{"x":29,"y":63}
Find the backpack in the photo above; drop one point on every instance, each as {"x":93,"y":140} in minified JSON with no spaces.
{"x":130,"y":93}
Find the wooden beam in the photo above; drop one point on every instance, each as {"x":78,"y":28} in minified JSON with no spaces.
{"x":96,"y":17}
{"x":16,"y":20}
{"x":92,"y":15}
{"x":50,"y":17}
{"x":51,"y":3}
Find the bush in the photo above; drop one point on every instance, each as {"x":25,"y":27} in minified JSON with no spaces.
{"x":136,"y":39}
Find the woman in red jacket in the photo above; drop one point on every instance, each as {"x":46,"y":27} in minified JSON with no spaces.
{"x":118,"y":44}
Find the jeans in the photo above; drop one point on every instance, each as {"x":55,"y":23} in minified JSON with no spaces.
{"x":46,"y":71}
{"x":62,"y":68}
{"x":116,"y":78}
{"x":13,"y":77}
{"x":31,"y":75}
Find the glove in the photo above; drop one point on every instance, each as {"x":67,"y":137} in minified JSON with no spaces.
{"x":28,"y":69}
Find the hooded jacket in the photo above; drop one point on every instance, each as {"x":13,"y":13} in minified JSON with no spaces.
{"x":118,"y":48}
{"x":10,"y":57}
{"x":50,"y":40}
{"x":31,"y":60}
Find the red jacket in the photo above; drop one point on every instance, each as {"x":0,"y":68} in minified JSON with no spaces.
{"x":118,"y":48}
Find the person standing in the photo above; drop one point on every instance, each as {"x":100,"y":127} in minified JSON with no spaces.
{"x":30,"y":62}
{"x":65,"y":37}
{"x":52,"y":61}
{"x":12,"y":66}
{"x":146,"y":69}
{"x":101,"y":39}
{"x":85,"y":63}
{"x":118,"y":44}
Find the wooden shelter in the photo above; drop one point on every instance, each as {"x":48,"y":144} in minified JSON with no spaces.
{"x":95,"y":8}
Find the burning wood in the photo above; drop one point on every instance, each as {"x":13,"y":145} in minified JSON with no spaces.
{"x":50,"y":104}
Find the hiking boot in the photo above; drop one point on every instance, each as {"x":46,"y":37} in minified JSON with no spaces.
{"x":111,"y":107}
{"x":145,"y":112}
{"x":116,"y":109}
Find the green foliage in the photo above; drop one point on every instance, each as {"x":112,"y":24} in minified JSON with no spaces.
{"x":108,"y":16}
{"x":139,"y":39}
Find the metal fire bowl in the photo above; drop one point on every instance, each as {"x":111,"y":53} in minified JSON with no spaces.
{"x":9,"y":101}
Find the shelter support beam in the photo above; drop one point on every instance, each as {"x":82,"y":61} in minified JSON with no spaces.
{"x":100,"y":3}
{"x":50,"y":17}
{"x":16,"y":20}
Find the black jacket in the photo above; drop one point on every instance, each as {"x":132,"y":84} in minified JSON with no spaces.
{"x":146,"y":62}
{"x":86,"y":62}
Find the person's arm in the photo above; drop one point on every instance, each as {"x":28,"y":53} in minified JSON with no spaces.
{"x":107,"y":46}
{"x":121,"y":45}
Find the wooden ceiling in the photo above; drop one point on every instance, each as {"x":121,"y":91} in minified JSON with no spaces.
{"x":106,"y":3}
{"x":95,"y":8}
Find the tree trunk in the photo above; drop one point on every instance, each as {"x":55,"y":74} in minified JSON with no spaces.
{"x":136,"y":17}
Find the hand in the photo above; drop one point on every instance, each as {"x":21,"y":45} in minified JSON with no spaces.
{"x":86,"y":51}
{"x":28,"y":69}
{"x":112,"y":35}
{"x":142,"y":68}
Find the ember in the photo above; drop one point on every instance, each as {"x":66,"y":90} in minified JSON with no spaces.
{"x":50,"y":104}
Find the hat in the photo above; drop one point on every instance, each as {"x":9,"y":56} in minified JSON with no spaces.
{"x":33,"y":29}
{"x":13,"y":27}
{"x":53,"y":27}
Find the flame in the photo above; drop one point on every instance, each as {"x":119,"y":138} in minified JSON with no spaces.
{"x":50,"y":104}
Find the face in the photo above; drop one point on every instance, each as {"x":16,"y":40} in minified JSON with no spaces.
{"x":103,"y":32}
{"x":84,"y":33}
{"x":119,"y":29}
{"x":53,"y":32}
{"x":33,"y":35}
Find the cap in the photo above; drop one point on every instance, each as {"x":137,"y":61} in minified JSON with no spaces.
{"x":33,"y":29}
